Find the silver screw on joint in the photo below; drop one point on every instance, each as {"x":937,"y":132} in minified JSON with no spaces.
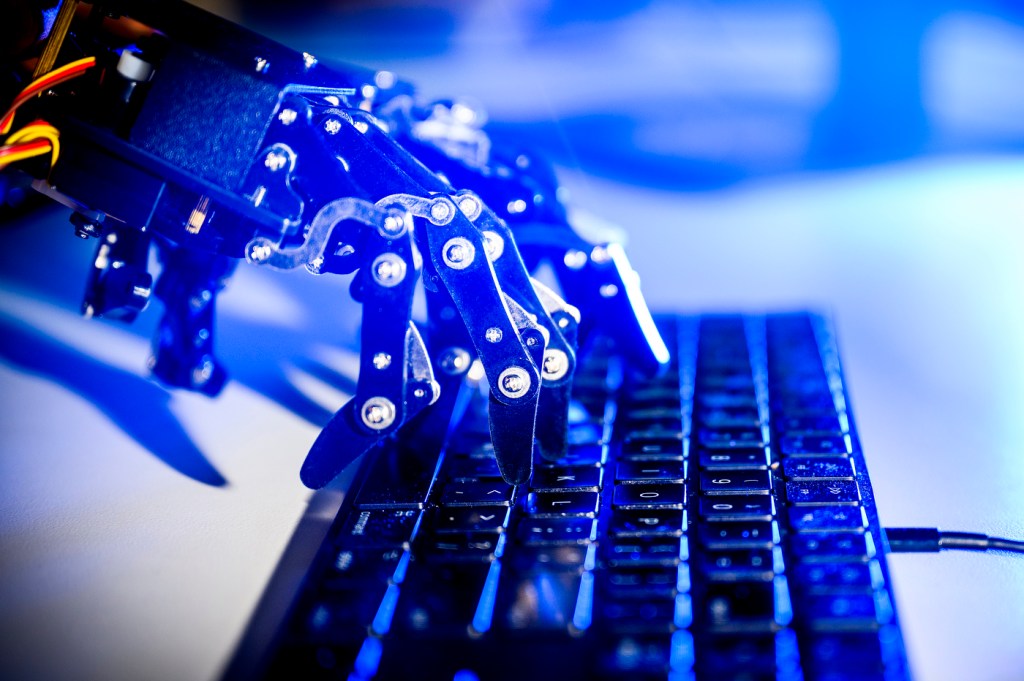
{"x":470,"y":207}
{"x":493,"y":334}
{"x":378,"y":413}
{"x":388,"y":270}
{"x":202,"y":374}
{"x":494,"y":245}
{"x":381,"y":361}
{"x":393,"y":225}
{"x":514,"y":382}
{"x":556,"y":364}
{"x":454,"y":361}
{"x":440,"y":212}
{"x":458,"y":253}
{"x":332,"y":126}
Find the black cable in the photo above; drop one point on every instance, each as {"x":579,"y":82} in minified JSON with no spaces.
{"x":931,"y":539}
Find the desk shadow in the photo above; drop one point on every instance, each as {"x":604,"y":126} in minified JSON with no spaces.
{"x":134,"y":404}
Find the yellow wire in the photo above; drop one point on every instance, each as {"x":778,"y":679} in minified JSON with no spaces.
{"x":36,"y":131}
{"x":21,"y":156}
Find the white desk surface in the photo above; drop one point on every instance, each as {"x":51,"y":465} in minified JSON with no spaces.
{"x":122,"y":558}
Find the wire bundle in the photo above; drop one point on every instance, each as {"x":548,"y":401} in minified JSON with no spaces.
{"x":38,"y":137}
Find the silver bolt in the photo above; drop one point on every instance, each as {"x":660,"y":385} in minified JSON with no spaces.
{"x":514,"y":382}
{"x":608,"y":290}
{"x":494,"y":245}
{"x":332,"y":126}
{"x":262,"y":65}
{"x":200,"y":300}
{"x":419,"y":393}
{"x":275,"y":160}
{"x":454,"y":361}
{"x":393,"y":225}
{"x":516,"y":206}
{"x":260,"y":252}
{"x":204,"y":372}
{"x":493,"y":334}
{"x":556,"y":364}
{"x":288,"y":116}
{"x":470,"y":207}
{"x":440,"y":212}
{"x":575,"y":260}
{"x":388,"y":270}
{"x":378,"y":413}
{"x":381,"y":361}
{"x":458,"y":252}
{"x":308,"y":60}
{"x":600,"y":255}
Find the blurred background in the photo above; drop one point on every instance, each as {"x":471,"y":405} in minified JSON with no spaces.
{"x":859,"y":158}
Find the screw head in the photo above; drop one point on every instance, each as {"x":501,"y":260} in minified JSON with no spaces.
{"x":388,"y":270}
{"x":378,"y":413}
{"x":393,"y":225}
{"x":575,"y":260}
{"x":204,"y":372}
{"x":458,"y":253}
{"x":440,"y":212}
{"x":600,"y":255}
{"x":288,"y":116}
{"x":608,"y":290}
{"x":381,"y":361}
{"x":454,"y":361}
{"x":470,"y":207}
{"x":494,"y":245}
{"x":332,"y":126}
{"x":493,"y":334}
{"x":514,"y":382}
{"x":275,"y":160}
{"x":556,"y":364}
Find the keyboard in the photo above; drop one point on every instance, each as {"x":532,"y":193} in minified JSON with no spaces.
{"x":716,"y":522}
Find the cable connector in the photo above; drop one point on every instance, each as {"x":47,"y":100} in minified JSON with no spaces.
{"x":932,"y":539}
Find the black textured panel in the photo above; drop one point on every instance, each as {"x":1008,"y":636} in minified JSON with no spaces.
{"x":205,"y":116}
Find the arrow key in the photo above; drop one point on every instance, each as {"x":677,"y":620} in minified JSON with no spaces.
{"x":469,"y":519}
{"x":474,"y":493}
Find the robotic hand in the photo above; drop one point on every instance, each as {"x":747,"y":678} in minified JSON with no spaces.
{"x":167,"y":127}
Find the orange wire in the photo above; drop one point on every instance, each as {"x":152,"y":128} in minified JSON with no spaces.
{"x":18,"y":152}
{"x":55,"y":77}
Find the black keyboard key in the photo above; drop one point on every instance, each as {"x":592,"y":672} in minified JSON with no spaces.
{"x":741,"y":607}
{"x":556,"y":530}
{"x":728,"y":656}
{"x":736,"y":417}
{"x":469,"y":519}
{"x":473,"y":468}
{"x":728,"y":400}
{"x":653,"y":448}
{"x":810,"y":445}
{"x":643,"y":551}
{"x":562,"y":503}
{"x":822,"y":492}
{"x":857,"y":653}
{"x":472,"y":493}
{"x":647,"y":471}
{"x":828,"y":519}
{"x":738,"y":535}
{"x":655,"y":495}
{"x":817,"y":468}
{"x":646,"y":582}
{"x":729,"y":459}
{"x":578,"y":455}
{"x":735,"y":482}
{"x":439,"y":599}
{"x":847,"y":612}
{"x":397,"y":479}
{"x":646,"y":413}
{"x":551,"y":557}
{"x":659,"y":615}
{"x":377,"y":527}
{"x":737,"y":565}
{"x":363,"y":565}
{"x":845,"y":578}
{"x":471,"y":547}
{"x":749,"y":507}
{"x":540,"y":600}
{"x":809,"y":425}
{"x":816,"y":548}
{"x":731,"y":438}
{"x":569,"y":478}
{"x":642,"y":523}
